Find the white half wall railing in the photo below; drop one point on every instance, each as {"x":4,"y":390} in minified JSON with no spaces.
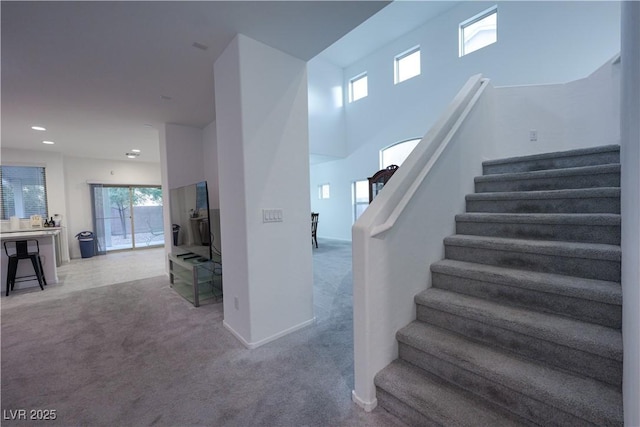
{"x":400,"y":234}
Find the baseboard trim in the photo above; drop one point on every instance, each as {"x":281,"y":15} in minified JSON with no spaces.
{"x":367,"y":406}
{"x":256,"y":344}
{"x":339,"y":239}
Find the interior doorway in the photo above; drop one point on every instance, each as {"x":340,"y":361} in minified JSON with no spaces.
{"x":127,"y":217}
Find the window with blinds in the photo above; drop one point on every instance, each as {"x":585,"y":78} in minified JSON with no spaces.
{"x":24,"y":191}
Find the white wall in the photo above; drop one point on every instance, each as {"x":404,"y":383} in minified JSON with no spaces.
{"x":630,"y":155}
{"x":262,"y":135}
{"x":54,"y":170}
{"x":181,"y":163}
{"x":327,"y":138}
{"x":183,"y":148}
{"x":578,"y":114}
{"x":80,"y":171}
{"x":210,"y":157}
{"x":538,"y":42}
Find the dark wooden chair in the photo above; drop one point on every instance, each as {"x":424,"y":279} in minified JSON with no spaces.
{"x":314,"y":227}
{"x":17,"y":250}
{"x":379,"y":179}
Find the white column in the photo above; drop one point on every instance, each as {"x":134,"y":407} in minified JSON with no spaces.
{"x":263,"y":158}
{"x":630,"y":186}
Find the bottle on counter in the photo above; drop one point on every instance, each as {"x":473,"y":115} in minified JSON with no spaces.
{"x":46,"y":223}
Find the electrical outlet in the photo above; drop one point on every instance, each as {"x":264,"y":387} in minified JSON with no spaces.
{"x":533,"y":135}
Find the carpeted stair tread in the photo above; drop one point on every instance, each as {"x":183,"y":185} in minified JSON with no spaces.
{"x":582,"y":336}
{"x":562,"y":159}
{"x":432,"y":400}
{"x":554,"y":173}
{"x":588,"y":300}
{"x":579,"y":200}
{"x":554,"y":284}
{"x":607,"y":175}
{"x":591,"y":219}
{"x":595,"y":251}
{"x":574,"y":193}
{"x":582,"y":397}
{"x":570,"y":227}
{"x":590,"y":260}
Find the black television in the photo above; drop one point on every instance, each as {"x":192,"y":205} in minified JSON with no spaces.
{"x":190,"y":222}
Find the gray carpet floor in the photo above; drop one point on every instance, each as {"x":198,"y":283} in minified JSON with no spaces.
{"x":136,"y":353}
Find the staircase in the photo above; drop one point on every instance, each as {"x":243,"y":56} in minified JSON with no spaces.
{"x":522,"y":323}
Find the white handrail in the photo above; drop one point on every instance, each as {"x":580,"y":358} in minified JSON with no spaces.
{"x":406,"y":181}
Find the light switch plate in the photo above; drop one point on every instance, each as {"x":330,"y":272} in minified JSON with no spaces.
{"x":272,"y":215}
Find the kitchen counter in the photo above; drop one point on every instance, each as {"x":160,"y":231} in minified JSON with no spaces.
{"x":48,"y":239}
{"x":30,"y":232}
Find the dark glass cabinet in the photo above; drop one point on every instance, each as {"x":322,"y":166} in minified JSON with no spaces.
{"x":379,"y":179}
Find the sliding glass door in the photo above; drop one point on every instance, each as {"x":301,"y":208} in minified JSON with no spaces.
{"x":127,"y":217}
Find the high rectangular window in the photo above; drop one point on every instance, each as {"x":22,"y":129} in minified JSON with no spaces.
{"x":358,"y":87}
{"x":407,"y":65}
{"x":479,"y":31}
{"x":324,"y":191}
{"x":24,"y":191}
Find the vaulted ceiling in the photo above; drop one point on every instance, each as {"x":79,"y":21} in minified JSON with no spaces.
{"x":103,"y":76}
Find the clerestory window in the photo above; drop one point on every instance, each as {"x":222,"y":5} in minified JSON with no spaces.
{"x":407,"y":65}
{"x":358,"y":87}
{"x":479,"y":31}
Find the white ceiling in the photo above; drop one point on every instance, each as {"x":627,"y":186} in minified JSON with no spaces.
{"x":95,"y":73}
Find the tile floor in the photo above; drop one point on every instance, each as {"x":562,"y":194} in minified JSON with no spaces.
{"x":86,"y":273}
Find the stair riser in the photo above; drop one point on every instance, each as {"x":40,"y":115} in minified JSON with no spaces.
{"x":567,"y":182}
{"x":589,"y":268}
{"x":404,"y":412}
{"x":568,"y":205}
{"x":543,"y":351}
{"x":607,"y":234}
{"x":553,"y":163}
{"x":581,"y":309}
{"x":533,"y":409}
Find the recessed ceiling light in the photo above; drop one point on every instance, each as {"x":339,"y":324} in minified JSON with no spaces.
{"x":48,"y":142}
{"x":165,"y":98}
{"x":38,"y":128}
{"x":132,"y":155}
{"x":135,"y":150}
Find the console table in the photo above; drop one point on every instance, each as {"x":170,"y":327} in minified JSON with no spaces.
{"x":195,"y":278}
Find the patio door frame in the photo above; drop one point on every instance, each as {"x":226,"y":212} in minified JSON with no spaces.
{"x":98,"y":226}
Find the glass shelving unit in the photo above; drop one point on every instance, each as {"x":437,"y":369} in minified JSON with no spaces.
{"x":196,"y":278}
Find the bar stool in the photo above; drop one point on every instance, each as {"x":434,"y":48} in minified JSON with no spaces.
{"x":21,"y":251}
